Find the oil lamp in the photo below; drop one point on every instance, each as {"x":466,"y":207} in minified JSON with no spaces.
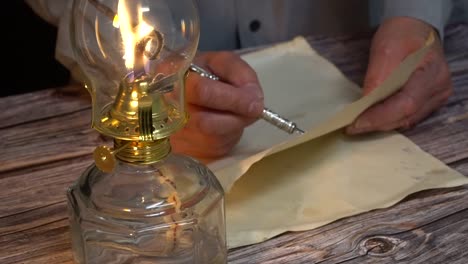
{"x":139,"y":202}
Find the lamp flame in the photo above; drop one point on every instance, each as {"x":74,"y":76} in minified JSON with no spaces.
{"x":132,"y":28}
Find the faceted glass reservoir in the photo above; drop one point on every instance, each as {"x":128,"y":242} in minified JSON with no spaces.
{"x":171,"y":211}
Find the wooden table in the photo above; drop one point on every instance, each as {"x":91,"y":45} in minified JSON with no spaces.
{"x":46,"y":143}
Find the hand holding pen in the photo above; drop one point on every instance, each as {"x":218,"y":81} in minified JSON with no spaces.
{"x":267,"y":114}
{"x":219,"y":110}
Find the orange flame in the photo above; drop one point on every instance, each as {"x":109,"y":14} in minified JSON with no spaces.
{"x":132,"y":28}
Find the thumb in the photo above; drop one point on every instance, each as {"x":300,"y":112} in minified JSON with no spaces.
{"x":383,"y":59}
{"x":395,"y":39}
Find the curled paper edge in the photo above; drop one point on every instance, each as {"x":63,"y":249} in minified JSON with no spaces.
{"x":231,"y":172}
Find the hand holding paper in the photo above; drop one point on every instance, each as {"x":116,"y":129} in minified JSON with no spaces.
{"x":323,"y":110}
{"x":277,"y":183}
{"x":427,"y":88}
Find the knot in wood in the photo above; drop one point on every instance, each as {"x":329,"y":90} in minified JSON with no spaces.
{"x":379,"y":245}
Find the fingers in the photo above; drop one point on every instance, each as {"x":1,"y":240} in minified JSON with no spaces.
{"x":382,"y":61}
{"x":202,"y":148}
{"x":421,"y":95}
{"x":219,"y":110}
{"x":222,"y":96}
{"x":390,"y":46}
{"x":395,"y":108}
{"x":208,"y":135}
{"x":435,"y":102}
{"x":427,"y":88}
{"x":404,"y":122}
{"x":216,"y":123}
{"x":231,"y":68}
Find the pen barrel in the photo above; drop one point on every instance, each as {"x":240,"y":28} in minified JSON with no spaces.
{"x":268,"y":115}
{"x":203,"y":73}
{"x":278,"y":121}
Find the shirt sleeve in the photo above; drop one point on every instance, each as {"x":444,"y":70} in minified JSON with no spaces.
{"x":58,"y":13}
{"x":433,"y":12}
{"x":49,"y":10}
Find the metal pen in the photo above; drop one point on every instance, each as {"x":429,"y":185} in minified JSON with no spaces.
{"x":267,"y":114}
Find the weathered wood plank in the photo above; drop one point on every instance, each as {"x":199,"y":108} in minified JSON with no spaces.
{"x":439,"y":242}
{"x":39,"y":186}
{"x":38,"y":105}
{"x":58,"y":138}
{"x":49,"y":243}
{"x":47,"y":226}
{"x":337,"y":51}
{"x":444,"y":134}
{"x":461,"y":166}
{"x":34,"y":226}
{"x":44,"y":141}
{"x":347,"y":240}
{"x":34,"y":218}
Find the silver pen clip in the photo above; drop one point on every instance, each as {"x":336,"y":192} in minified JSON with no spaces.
{"x":267,"y":114}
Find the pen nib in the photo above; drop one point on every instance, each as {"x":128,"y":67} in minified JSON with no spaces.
{"x":299,"y":131}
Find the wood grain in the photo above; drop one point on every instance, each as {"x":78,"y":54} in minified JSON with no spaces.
{"x":410,"y":229}
{"x":23,"y":108}
{"x":46,"y":142}
{"x":62,"y":137}
{"x":47,"y":243}
{"x":47,"y":181}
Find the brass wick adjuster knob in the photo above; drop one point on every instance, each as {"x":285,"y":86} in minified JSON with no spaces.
{"x":104,"y":157}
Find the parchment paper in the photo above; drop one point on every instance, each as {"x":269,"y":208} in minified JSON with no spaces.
{"x":306,"y":88}
{"x":277,"y":182}
{"x":326,"y":179}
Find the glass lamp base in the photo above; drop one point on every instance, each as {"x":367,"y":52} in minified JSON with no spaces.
{"x":171,"y":211}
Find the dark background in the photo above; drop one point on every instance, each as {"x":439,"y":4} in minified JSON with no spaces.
{"x":28,"y":47}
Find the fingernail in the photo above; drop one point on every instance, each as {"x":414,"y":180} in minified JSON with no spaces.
{"x":255,"y":89}
{"x":255,"y":108}
{"x":361,"y":125}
